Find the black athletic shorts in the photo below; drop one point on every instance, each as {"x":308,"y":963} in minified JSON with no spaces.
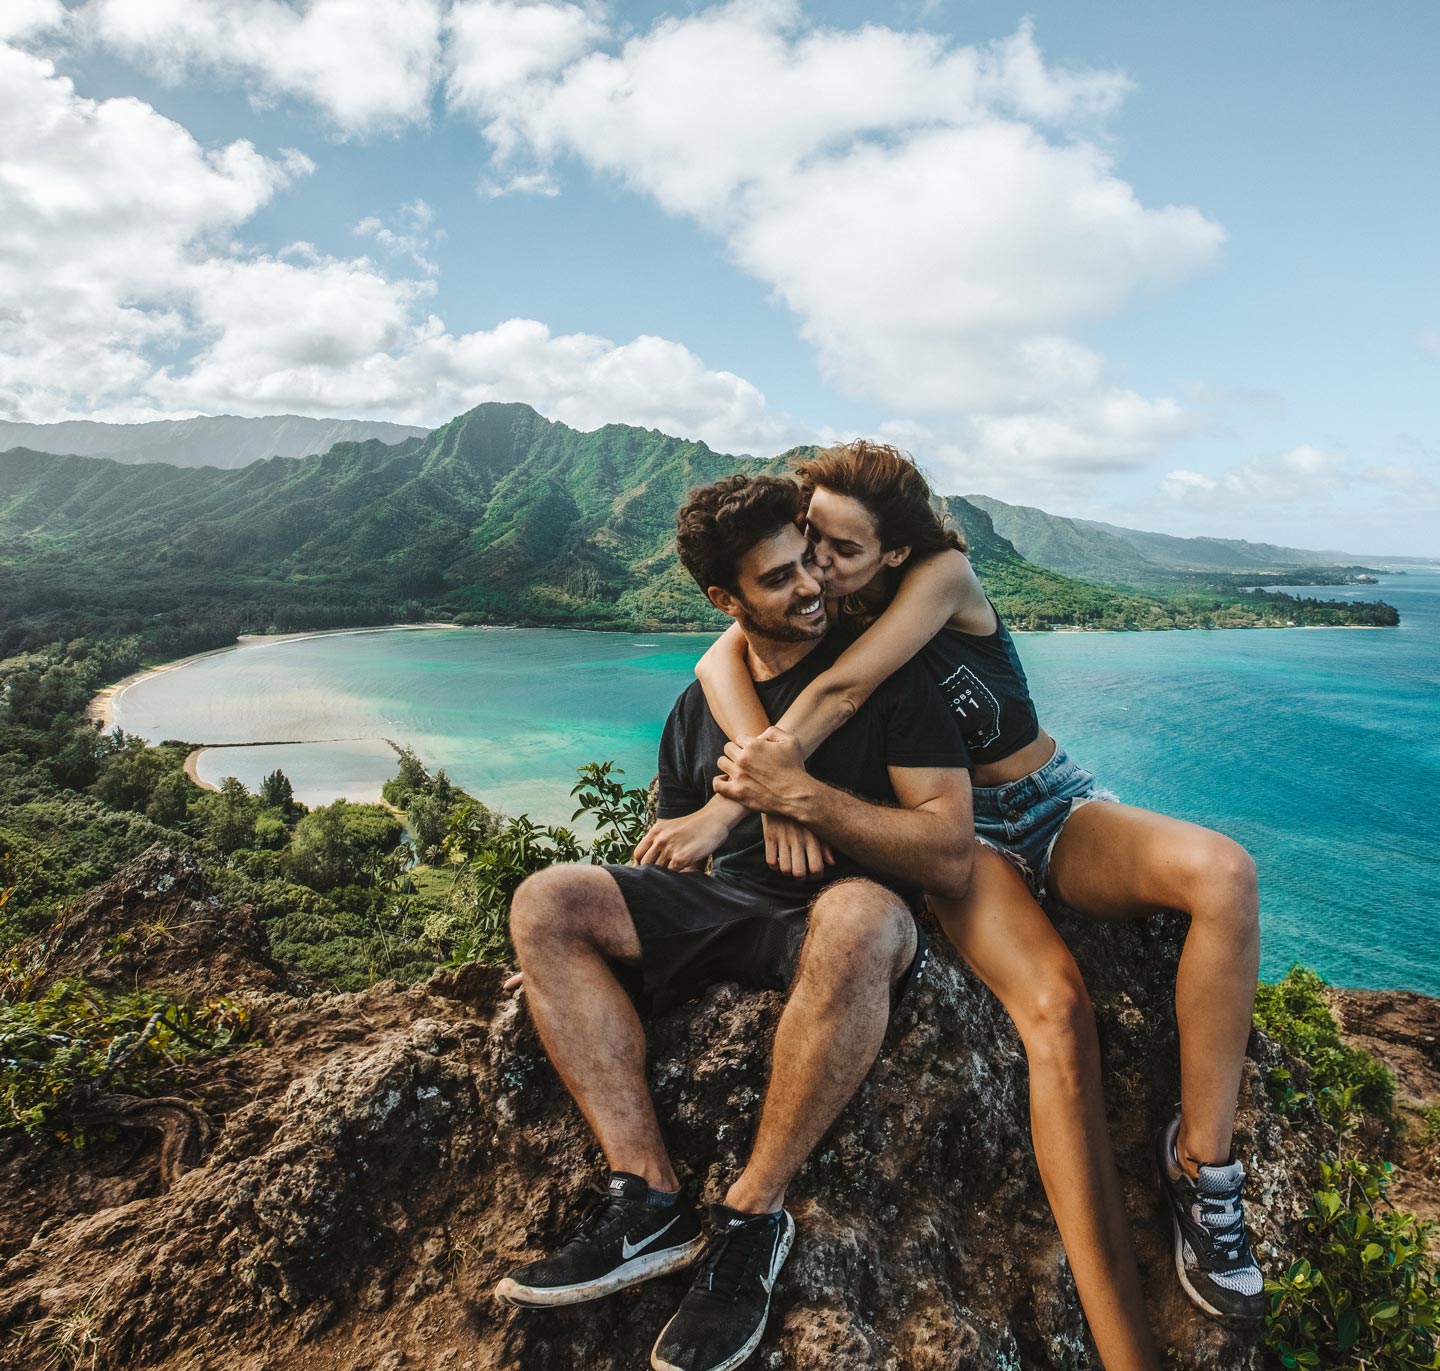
{"x":697,"y":930}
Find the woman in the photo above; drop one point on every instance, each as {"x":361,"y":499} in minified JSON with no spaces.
{"x":905,"y":587}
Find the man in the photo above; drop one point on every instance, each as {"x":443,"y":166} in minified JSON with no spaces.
{"x":888,"y":793}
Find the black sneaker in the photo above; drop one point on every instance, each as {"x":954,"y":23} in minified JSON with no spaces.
{"x":1212,"y":1251}
{"x":619,"y":1240}
{"x":720,"y":1321}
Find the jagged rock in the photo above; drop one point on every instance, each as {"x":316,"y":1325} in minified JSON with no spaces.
{"x":156,"y":922}
{"x":384,"y":1157}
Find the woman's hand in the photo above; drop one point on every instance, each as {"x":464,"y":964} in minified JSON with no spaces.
{"x":683,"y":844}
{"x":765,"y":773}
{"x":793,"y":849}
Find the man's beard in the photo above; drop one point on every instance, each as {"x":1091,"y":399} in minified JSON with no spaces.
{"x":782,"y":628}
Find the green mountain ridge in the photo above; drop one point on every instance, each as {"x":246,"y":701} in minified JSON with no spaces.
{"x":216,"y":440}
{"x":1101,"y":551}
{"x":498,"y":516}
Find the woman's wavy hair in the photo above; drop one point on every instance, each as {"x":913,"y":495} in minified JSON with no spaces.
{"x":890,"y":486}
{"x":896,"y":495}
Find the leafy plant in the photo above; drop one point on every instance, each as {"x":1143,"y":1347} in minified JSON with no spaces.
{"x":620,"y":814}
{"x":60,"y":1051}
{"x":493,"y":855}
{"x":1341,"y":1079}
{"x":1367,"y":1297}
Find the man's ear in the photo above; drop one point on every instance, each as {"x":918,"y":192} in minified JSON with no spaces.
{"x":895,"y":556}
{"x":724,"y":601}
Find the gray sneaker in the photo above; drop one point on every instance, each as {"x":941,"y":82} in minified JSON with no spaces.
{"x":1213,"y":1259}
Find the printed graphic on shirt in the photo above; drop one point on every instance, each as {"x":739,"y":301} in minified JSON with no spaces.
{"x":975,"y":706}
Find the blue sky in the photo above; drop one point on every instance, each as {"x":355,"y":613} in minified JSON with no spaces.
{"x":1172,"y":266}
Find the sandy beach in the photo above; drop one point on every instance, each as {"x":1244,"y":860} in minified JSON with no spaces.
{"x":101,"y":708}
{"x":192,"y":773}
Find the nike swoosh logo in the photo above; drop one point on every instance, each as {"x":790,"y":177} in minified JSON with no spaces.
{"x":626,"y":1251}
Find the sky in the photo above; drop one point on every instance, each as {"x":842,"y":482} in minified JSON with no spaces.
{"x":1171,"y":266}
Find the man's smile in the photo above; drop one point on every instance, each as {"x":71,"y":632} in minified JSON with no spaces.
{"x":810,"y":608}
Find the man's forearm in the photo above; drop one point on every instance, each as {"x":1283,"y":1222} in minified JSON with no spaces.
{"x":929,"y":848}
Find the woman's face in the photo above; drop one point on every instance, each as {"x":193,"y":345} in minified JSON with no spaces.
{"x":847,"y":545}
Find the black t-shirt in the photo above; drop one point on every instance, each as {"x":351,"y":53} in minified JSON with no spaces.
{"x":905,"y":723}
{"x":981,"y":676}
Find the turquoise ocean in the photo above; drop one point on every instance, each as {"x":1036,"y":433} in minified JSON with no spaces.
{"x":1319,"y":749}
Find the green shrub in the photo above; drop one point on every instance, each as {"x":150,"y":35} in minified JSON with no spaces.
{"x":1342,"y":1079}
{"x":74,"y":1042}
{"x":496,"y":854}
{"x":1367,"y":1296}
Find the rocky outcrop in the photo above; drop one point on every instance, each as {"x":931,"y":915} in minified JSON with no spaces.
{"x":156,"y":923}
{"x":380,"y":1159}
{"x":1402,"y":1029}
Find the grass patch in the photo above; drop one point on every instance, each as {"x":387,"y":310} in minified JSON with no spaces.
{"x":1339,"y":1079}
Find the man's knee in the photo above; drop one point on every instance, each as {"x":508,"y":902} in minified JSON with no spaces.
{"x":567,"y":902}
{"x":864,"y":924}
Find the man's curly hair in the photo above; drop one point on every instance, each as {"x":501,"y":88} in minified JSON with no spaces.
{"x":719,"y":524}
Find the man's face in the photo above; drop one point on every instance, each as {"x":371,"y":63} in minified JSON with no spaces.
{"x":779,"y":593}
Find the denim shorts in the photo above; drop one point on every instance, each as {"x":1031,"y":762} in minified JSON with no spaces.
{"x":1022,"y":819}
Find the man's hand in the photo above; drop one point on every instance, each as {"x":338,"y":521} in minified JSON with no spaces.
{"x":793,"y":849}
{"x":515,"y":982}
{"x":765,"y":773}
{"x":682,"y":844}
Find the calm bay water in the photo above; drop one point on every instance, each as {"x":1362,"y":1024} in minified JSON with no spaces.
{"x":1319,"y":749}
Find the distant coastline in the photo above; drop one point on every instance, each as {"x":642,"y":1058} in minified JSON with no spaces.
{"x":101,"y":709}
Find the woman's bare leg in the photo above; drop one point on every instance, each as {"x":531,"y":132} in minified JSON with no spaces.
{"x":1014,"y":949}
{"x":1113,"y":861}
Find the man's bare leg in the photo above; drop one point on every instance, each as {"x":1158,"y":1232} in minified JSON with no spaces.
{"x":860,"y":942}
{"x":1012,"y":946}
{"x":568,"y":924}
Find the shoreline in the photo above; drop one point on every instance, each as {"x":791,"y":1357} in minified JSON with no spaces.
{"x":191,"y":762}
{"x":101,"y":708}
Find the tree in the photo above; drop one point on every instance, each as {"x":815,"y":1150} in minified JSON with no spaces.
{"x":128,"y":778}
{"x":276,"y":792}
{"x":228,"y":816}
{"x":170,"y":800}
{"x":320,"y":854}
{"x":412,"y":779}
{"x":444,"y":790}
{"x":426,"y":819}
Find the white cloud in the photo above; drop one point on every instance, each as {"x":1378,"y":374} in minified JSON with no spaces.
{"x":346,"y":344}
{"x":493,"y":47}
{"x":525,"y":183}
{"x":1302,"y":475}
{"x":1181,"y":485}
{"x":100,"y":204}
{"x":369,"y":65}
{"x":414,"y":238}
{"x":1428,"y":341}
{"x":126,"y":295}
{"x":937,"y":216}
{"x":28,"y":18}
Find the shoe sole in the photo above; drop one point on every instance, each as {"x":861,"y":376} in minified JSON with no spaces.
{"x":633,"y":1272}
{"x":1237,"y":1321}
{"x":657,"y":1363}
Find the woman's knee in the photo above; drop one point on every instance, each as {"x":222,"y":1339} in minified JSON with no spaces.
{"x":1221,"y":884}
{"x":1057,"y":1024}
